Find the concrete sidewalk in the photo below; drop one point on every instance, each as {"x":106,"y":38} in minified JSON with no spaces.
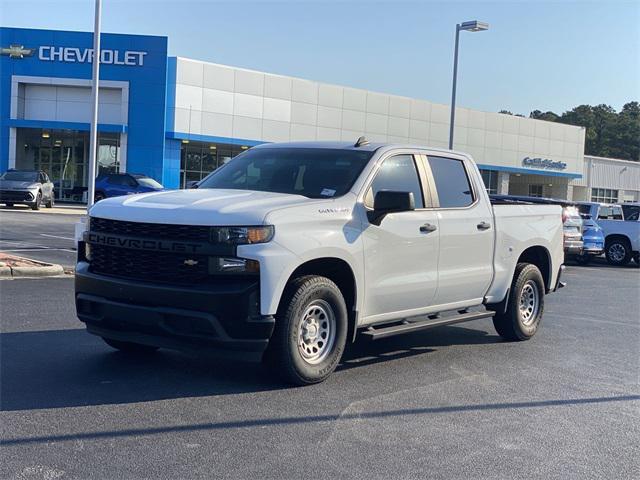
{"x":57,"y":209}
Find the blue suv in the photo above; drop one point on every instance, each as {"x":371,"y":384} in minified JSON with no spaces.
{"x":117,"y":184}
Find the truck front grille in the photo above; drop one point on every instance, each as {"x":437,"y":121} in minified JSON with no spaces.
{"x":150,"y":266}
{"x":156,"y":231}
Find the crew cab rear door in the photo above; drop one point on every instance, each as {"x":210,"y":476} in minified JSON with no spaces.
{"x":466,"y":225}
{"x":401,"y":254}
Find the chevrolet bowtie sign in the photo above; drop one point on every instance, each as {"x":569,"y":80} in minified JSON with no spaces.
{"x":17,"y":51}
{"x":48,"y":53}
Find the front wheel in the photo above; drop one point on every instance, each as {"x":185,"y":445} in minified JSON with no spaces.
{"x":310,"y":332}
{"x":618,"y":252}
{"x":525,"y":305}
{"x":129,"y":347}
{"x":38,"y":202}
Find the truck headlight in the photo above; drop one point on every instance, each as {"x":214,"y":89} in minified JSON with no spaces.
{"x":242,"y":235}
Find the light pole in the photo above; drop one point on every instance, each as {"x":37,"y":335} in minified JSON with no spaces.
{"x":473,"y":26}
{"x":93,"y":133}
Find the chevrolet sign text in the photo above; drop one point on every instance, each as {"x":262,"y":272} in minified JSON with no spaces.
{"x":129,"y":58}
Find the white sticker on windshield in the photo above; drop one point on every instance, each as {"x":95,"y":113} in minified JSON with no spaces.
{"x":327,"y":192}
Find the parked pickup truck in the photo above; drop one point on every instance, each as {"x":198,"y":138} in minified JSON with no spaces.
{"x":621,"y":232}
{"x":292,"y":250}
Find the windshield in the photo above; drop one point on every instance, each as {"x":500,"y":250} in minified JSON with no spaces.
{"x":148,"y":182}
{"x":20,"y":176}
{"x":584,"y":209}
{"x":312,"y":172}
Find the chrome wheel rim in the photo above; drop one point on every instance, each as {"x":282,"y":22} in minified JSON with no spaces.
{"x":316,"y":332}
{"x":529,"y":302}
{"x":617,"y":252}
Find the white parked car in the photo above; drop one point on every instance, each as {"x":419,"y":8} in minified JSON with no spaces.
{"x":292,"y":250}
{"x":621,"y":234}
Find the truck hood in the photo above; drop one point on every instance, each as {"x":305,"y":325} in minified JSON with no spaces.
{"x":196,"y":207}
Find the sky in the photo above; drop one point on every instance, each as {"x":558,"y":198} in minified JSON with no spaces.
{"x":536,"y":54}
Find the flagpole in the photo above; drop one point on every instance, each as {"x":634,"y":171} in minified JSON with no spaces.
{"x":93,"y":135}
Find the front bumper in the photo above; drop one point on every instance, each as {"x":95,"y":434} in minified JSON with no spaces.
{"x":16,"y":196}
{"x":220,"y":319}
{"x":593,"y":248}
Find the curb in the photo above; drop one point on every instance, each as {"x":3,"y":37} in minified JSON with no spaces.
{"x":43,"y":270}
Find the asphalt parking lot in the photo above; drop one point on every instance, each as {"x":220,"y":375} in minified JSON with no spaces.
{"x":452,"y":402}
{"x":41,"y":235}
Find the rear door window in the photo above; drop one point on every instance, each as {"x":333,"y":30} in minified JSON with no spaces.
{"x":452,"y":183}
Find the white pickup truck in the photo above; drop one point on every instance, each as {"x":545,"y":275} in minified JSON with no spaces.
{"x":292,"y":250}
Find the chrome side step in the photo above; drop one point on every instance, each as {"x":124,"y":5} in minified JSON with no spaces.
{"x":408,"y":326}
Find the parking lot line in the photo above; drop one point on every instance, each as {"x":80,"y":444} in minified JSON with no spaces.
{"x":56,"y":236}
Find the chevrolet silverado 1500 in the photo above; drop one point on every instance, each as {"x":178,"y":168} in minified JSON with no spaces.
{"x":292,"y":250}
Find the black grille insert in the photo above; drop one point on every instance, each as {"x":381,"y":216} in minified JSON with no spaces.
{"x":150,"y":266}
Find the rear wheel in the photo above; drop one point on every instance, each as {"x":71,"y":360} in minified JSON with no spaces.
{"x":525,"y":305}
{"x":618,"y":252}
{"x":49,"y":203}
{"x":310,"y":332}
{"x":129,"y":347}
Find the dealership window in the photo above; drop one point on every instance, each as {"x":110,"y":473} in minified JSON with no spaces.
{"x":604,"y":195}
{"x":199,"y":159}
{"x":490,"y":178}
{"x":536,"y":190}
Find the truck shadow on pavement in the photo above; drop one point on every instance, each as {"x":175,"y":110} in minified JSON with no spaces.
{"x":70,"y":368}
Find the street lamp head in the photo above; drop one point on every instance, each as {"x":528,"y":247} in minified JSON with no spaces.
{"x":474,"y":26}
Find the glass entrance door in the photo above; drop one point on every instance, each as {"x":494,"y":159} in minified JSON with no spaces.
{"x":63,"y":155}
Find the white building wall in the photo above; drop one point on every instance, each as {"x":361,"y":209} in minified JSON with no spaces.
{"x":608,"y":173}
{"x":222,"y":101}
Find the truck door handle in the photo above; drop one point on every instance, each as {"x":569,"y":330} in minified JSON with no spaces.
{"x":428,"y":227}
{"x":484,"y":226}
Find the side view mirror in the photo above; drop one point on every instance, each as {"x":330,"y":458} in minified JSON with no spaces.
{"x":192,"y":184}
{"x":387,"y":201}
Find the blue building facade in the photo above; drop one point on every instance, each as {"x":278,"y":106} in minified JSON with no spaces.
{"x":45,"y":105}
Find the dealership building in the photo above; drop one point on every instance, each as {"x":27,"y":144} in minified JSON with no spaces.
{"x":177,"y":119}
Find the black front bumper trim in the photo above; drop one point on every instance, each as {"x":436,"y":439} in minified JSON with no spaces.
{"x":220,"y":320}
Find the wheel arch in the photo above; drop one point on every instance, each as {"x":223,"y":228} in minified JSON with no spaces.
{"x":540,"y":257}
{"x":616,"y":236}
{"x":341,"y":273}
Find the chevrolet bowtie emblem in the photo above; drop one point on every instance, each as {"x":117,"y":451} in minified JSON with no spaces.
{"x":17,"y":51}
{"x":191,"y":263}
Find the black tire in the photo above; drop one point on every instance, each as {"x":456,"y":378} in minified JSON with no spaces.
{"x":99,"y":196}
{"x":49,"y":204}
{"x":584,"y":259}
{"x":513,"y":324}
{"x":38,"y":202}
{"x":636,"y":258}
{"x":311,"y":300}
{"x":618,"y":252}
{"x":129,"y":347}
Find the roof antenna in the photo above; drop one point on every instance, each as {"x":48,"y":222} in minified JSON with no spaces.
{"x":361,"y":141}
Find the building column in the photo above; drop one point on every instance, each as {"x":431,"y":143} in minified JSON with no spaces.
{"x":13,"y":133}
{"x":503,"y":183}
